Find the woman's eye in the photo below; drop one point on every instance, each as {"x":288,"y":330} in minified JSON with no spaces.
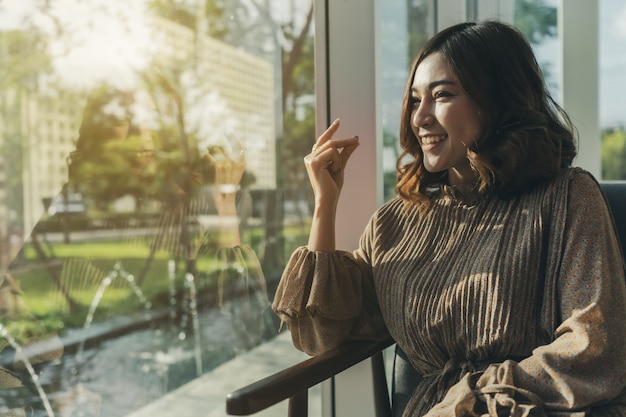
{"x":442,"y":94}
{"x":414,"y":102}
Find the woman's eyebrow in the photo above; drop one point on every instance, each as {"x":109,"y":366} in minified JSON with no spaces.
{"x":436,"y":84}
{"x":440,"y":82}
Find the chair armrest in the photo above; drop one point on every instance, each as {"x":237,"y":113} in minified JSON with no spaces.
{"x":300,"y":377}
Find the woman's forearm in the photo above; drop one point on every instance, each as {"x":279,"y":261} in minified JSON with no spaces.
{"x":228,"y":232}
{"x":322,"y":235}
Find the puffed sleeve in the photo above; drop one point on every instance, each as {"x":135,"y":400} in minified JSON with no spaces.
{"x":326,"y":298}
{"x":584,"y":368}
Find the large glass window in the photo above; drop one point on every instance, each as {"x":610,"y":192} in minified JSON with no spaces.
{"x":405,"y":26}
{"x":613,"y":88}
{"x":151,"y":188}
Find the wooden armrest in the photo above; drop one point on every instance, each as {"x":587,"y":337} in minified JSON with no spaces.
{"x":300,"y":377}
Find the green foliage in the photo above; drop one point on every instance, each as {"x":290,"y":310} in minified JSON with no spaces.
{"x":417,"y":27}
{"x":175,"y":11}
{"x":389,"y":184}
{"x":29,"y":329}
{"x":536,"y":20}
{"x":301,"y":81}
{"x":116,"y":170}
{"x":24,"y":57}
{"x":297,"y":142}
{"x":614,"y":154}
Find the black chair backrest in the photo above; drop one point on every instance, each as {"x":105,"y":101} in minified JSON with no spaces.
{"x":406,"y":378}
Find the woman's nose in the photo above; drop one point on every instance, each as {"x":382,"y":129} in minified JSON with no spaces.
{"x":421,"y":116}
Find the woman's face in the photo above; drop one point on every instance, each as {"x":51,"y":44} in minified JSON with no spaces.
{"x":444,"y":119}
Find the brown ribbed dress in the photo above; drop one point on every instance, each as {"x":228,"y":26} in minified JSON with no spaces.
{"x":513,"y":307}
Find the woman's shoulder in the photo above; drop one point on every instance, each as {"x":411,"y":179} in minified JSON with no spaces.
{"x":389,"y":215}
{"x":572,"y":184}
{"x":394,"y":207}
{"x":575,"y":180}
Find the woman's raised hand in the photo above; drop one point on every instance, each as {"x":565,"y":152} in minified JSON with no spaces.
{"x":326,"y":163}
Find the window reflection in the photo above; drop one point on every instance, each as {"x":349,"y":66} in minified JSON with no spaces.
{"x":151,"y":185}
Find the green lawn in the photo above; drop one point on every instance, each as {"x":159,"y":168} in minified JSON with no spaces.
{"x":46,"y":306}
{"x":44,"y":300}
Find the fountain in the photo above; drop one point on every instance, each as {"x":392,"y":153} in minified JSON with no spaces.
{"x":19,"y":354}
{"x":171,"y":275}
{"x":117,"y":272}
{"x":111,"y":367}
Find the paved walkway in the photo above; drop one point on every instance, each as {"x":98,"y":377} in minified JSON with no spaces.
{"x":206,"y":396}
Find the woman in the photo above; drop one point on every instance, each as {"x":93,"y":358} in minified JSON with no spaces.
{"x":497,"y":268}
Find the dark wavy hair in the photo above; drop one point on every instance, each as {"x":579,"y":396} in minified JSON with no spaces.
{"x":528,"y":138}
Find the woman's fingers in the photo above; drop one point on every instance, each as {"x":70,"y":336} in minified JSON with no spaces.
{"x":327,"y":160}
{"x":335,"y":147}
{"x":349,"y":149}
{"x":328,"y":151}
{"x":227,"y":170}
{"x":327,"y":135}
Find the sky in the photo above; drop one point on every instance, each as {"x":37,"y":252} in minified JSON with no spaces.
{"x":101,"y":47}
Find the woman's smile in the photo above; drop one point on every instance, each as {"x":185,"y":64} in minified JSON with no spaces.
{"x":431,"y":140}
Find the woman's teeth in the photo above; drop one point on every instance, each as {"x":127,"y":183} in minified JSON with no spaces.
{"x":429,"y":140}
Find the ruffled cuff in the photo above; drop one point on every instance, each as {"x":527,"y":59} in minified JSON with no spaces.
{"x":319,"y":297}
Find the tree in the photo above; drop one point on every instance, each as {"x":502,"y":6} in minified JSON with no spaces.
{"x":536,"y":20}
{"x":107,"y":163}
{"x":417,"y":26}
{"x":614,"y":154}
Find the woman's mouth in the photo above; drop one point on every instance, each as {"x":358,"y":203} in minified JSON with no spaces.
{"x":432,"y":139}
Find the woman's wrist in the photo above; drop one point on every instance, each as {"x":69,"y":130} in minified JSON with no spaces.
{"x":226,"y":204}
{"x":228,"y":234}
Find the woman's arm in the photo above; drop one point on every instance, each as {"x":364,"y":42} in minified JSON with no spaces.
{"x":326,"y":166}
{"x":586,"y":363}
{"x":327,"y":296}
{"x":228,"y":172}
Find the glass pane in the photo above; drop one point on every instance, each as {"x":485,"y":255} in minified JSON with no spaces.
{"x":537,"y":20}
{"x":405,"y":26}
{"x":613,"y":88}
{"x":151,"y":187}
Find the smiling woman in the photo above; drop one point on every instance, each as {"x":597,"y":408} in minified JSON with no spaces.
{"x":177,"y":224}
{"x":496,"y":259}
